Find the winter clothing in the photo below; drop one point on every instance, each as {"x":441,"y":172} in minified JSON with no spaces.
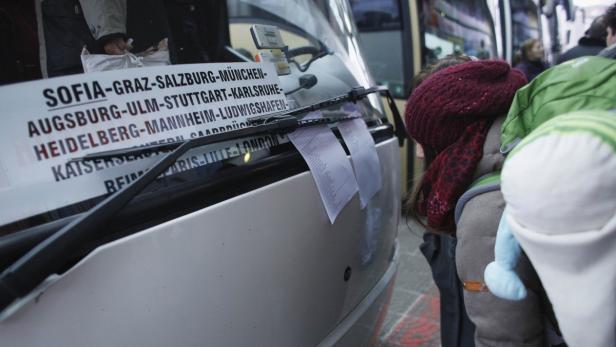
{"x":106,"y":19}
{"x":449,"y":114}
{"x":586,"y":46}
{"x":531,"y":69}
{"x":583,"y":83}
{"x":456,"y":327}
{"x":591,"y":43}
{"x":145,"y":21}
{"x":64,"y":34}
{"x":566,"y":224}
{"x":608,"y":52}
{"x":498,"y":322}
{"x":453,"y":115}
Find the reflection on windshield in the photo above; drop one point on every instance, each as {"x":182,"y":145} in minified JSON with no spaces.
{"x":376,"y":15}
{"x":458,"y":27}
{"x":525,"y":22}
{"x":326,"y":27}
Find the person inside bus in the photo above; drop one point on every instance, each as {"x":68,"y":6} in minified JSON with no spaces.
{"x":531,"y":59}
{"x":112,"y":22}
{"x":591,"y":43}
{"x":610,"y":40}
{"x":455,"y":115}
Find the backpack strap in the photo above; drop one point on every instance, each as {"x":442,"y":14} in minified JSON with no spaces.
{"x":483,"y":184}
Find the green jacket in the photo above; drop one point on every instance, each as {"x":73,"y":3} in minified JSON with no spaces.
{"x":586,"y":83}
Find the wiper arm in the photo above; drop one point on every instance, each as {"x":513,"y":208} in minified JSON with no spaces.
{"x":354,"y":95}
{"x":50,"y":255}
{"x":399,"y":127}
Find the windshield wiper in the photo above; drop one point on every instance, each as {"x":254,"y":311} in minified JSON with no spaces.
{"x":354,"y":95}
{"x":47,"y":257}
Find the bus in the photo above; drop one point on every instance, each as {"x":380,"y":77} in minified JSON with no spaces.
{"x":135,"y":213}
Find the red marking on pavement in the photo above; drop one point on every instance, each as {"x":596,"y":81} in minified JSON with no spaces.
{"x":379,"y":322}
{"x":420,"y":325}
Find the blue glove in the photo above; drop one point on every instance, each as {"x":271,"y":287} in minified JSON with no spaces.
{"x":500,"y":275}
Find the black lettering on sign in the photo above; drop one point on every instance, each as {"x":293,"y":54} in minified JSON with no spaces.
{"x":254,"y":91}
{"x":72,"y":120}
{"x":255,"y":144}
{"x":129,"y":86}
{"x":195,"y":98}
{"x":252,"y":108}
{"x":72,"y":144}
{"x":231,"y":74}
{"x":182,"y":79}
{"x":140,"y":107}
{"x":221,"y":129}
{"x":115,"y":184}
{"x":178,"y":121}
{"x":73,"y":94}
{"x":181,"y":165}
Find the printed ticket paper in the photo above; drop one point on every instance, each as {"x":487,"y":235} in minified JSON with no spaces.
{"x":363,"y":156}
{"x":46,"y":123}
{"x":329,"y":165}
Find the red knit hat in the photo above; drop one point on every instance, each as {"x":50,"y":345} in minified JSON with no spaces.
{"x":448,"y":101}
{"x":449,"y":114}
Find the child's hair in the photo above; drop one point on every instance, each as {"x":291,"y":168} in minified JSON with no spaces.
{"x":447,"y":61}
{"x":526,"y":47}
{"x":414,"y":197}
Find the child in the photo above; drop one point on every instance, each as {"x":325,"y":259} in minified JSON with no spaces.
{"x":455,"y":115}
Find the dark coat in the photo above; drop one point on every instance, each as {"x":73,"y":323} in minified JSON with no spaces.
{"x":457,"y":330}
{"x":531,"y":68}
{"x":586,"y":46}
{"x":609,"y":52}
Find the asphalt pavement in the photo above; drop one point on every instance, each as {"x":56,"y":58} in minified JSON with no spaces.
{"x":413,"y":314}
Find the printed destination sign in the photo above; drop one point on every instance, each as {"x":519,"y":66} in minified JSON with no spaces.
{"x":46,"y":123}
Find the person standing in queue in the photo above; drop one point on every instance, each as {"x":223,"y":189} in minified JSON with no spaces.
{"x":591,"y":43}
{"x":610,"y":40}
{"x":439,"y":251}
{"x":455,"y":115}
{"x":531,"y":55}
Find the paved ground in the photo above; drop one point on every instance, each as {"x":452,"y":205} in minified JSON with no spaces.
{"x":412,"y":319}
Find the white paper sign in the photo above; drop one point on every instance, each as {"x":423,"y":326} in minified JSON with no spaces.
{"x":364,"y":157}
{"x":45,"y":123}
{"x":329,"y":166}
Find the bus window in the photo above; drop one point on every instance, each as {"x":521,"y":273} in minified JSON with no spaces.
{"x":525,"y":22}
{"x":322,"y":45}
{"x":457,"y":27}
{"x":380,"y":26}
{"x":380,"y":15}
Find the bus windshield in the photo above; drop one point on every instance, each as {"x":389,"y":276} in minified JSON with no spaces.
{"x":322,"y":41}
{"x":454,"y":27}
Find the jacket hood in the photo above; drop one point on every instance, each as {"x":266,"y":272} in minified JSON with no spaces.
{"x":565,"y":169}
{"x":560,"y":190}
{"x":580,"y":84}
{"x":591,"y":41}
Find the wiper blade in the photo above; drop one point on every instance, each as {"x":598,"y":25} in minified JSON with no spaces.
{"x":272,"y":125}
{"x":273,"y":119}
{"x":47,"y":257}
{"x":277,"y":125}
